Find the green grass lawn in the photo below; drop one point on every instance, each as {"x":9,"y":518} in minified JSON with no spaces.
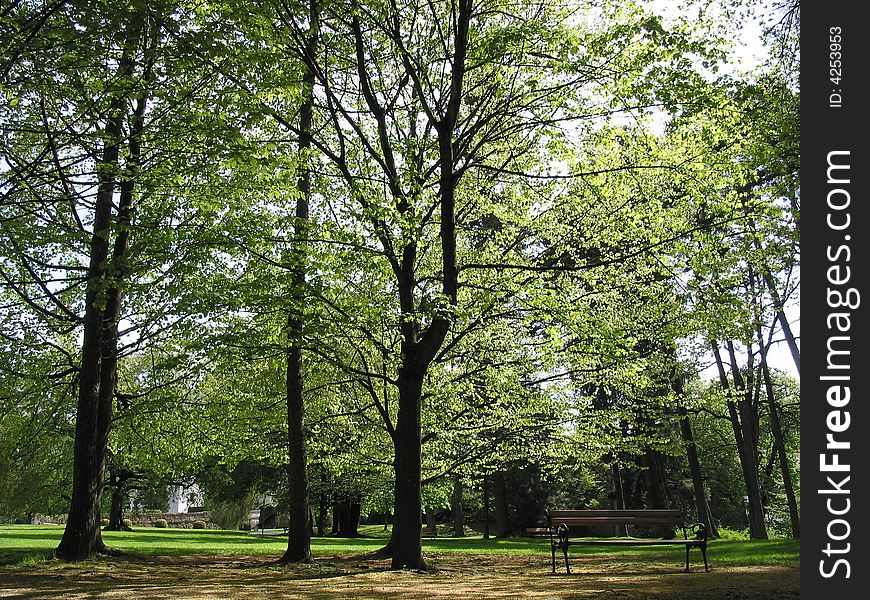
{"x":35,"y":543}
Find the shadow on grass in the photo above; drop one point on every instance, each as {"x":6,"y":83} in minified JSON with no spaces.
{"x":339,"y":578}
{"x":23,"y":544}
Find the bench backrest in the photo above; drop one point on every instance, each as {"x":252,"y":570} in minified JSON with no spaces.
{"x":615,"y":517}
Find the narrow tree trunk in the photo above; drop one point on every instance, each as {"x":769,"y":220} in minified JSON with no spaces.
{"x":299,"y":536}
{"x":655,"y":487}
{"x":779,"y":305}
{"x":322,"y":508}
{"x":499,"y":493}
{"x":432,"y":521}
{"x":486,"y":511}
{"x":702,"y":507}
{"x":757,"y":529}
{"x":618,"y":494}
{"x":336,"y":518}
{"x":116,"y":511}
{"x":458,"y":509}
{"x":299,"y":529}
{"x":748,"y":409}
{"x":783,"y":322}
{"x":779,"y":443}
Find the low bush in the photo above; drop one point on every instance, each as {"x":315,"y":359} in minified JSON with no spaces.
{"x":161,"y":523}
{"x":199,"y":525}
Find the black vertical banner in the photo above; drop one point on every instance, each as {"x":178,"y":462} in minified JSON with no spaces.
{"x":835,"y":299}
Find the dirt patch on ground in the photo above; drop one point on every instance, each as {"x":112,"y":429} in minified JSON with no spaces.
{"x":337,"y":578}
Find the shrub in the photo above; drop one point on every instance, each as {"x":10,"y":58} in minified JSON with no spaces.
{"x":161,"y":523}
{"x":126,"y":522}
{"x":229,"y":514}
{"x":199,"y":525}
{"x":104,"y":523}
{"x":245,"y":525}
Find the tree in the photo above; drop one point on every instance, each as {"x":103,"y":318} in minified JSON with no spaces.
{"x":414,"y":98}
{"x":96,"y":242}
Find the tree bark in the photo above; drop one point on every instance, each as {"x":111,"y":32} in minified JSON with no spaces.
{"x":345,"y":517}
{"x":322,"y":507}
{"x":432,"y":521}
{"x":116,"y":512}
{"x":299,"y":527}
{"x":748,"y":464}
{"x":486,"y":515}
{"x":779,"y":443}
{"x":458,"y":509}
{"x":702,"y":507}
{"x":656,"y":497}
{"x":98,"y":370}
{"x":499,"y":493}
{"x":618,"y":494}
{"x":407,"y":546}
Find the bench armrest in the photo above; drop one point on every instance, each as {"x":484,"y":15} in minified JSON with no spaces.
{"x":698,"y":530}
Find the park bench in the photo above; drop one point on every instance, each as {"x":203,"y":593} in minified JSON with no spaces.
{"x":428,"y":532}
{"x":560,"y":522}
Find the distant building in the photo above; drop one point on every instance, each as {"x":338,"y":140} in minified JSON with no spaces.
{"x":182,"y":498}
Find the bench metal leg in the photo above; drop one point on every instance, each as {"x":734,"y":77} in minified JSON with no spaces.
{"x":553,"y":552}
{"x":703,"y":549}
{"x":565,"y":552}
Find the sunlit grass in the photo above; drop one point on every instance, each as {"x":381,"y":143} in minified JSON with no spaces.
{"x":34,"y":543}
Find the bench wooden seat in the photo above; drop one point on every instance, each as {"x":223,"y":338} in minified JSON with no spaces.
{"x":560,"y":522}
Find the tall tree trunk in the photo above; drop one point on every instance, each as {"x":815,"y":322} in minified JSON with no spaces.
{"x":618,"y":494}
{"x":336,"y":518}
{"x":778,"y":303}
{"x":458,"y":509}
{"x":81,"y":536}
{"x":98,"y":370}
{"x":486,"y":515}
{"x":748,"y":465}
{"x":749,"y":420}
{"x":116,"y":511}
{"x":299,"y":527}
{"x":779,"y":443}
{"x":656,"y":497}
{"x":407,"y":546}
{"x":702,"y":507}
{"x":783,"y":321}
{"x":499,"y":493}
{"x":432,"y":522}
{"x":322,"y":507}
{"x":419,"y":345}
